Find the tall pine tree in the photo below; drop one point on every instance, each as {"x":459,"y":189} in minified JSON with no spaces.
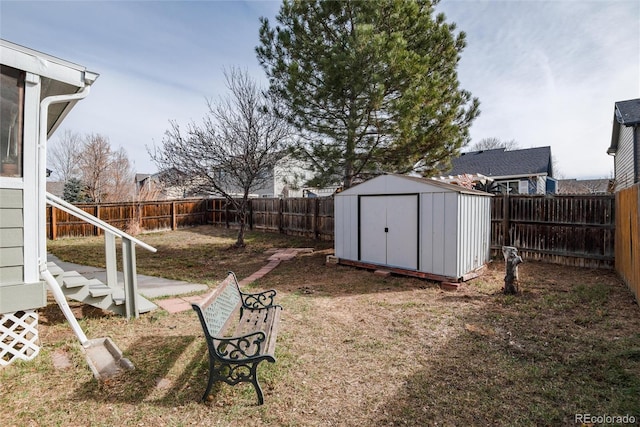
{"x":371,"y":86}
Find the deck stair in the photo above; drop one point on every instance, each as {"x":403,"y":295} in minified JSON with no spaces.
{"x":94,"y":292}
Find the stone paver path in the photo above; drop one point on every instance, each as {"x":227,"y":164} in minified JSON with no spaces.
{"x":176,"y":305}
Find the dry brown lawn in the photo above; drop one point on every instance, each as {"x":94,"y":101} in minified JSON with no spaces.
{"x":354,"y":349}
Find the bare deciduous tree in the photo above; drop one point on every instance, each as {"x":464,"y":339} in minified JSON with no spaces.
{"x":107,"y":174}
{"x":493,"y":143}
{"x":121,"y":177}
{"x":63,"y":156}
{"x":94,"y":163}
{"x":233,"y":151}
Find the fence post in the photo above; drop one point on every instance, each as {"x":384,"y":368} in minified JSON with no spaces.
{"x":250,"y":214}
{"x":281,"y":215}
{"x":96,"y":230}
{"x":53,"y":223}
{"x":316,"y":218}
{"x":174,"y":222}
{"x":226,"y":212}
{"x":506,"y":212}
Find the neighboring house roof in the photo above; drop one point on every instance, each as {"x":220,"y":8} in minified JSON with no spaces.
{"x":626,"y":113}
{"x":502,"y":163}
{"x":55,"y":188}
{"x":585,"y":186}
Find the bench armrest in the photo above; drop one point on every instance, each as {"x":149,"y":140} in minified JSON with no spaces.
{"x":258,"y":300}
{"x":241,"y":347}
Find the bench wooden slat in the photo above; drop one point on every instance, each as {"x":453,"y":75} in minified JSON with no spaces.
{"x":275,"y":323}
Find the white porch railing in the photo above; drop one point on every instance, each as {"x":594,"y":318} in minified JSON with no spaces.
{"x":128,"y":253}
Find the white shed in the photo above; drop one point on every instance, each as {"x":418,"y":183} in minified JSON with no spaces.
{"x":415,"y":226}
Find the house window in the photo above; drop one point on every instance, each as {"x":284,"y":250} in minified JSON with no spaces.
{"x":509,"y":187}
{"x":11,"y":121}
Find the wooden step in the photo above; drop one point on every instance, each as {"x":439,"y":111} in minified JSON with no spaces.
{"x":144,"y":305}
{"x":73,"y":279}
{"x":98,"y":289}
{"x":118,"y":296}
{"x":54,"y":269}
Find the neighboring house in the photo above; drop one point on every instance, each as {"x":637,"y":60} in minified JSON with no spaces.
{"x":527,"y":171}
{"x":154,"y":187}
{"x":586,"y":186}
{"x":286,"y":180}
{"x":625,"y":143}
{"x":290,"y":177}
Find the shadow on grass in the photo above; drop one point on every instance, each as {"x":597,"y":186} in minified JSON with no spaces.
{"x":538,"y":360}
{"x":154,"y":357}
{"x":51,"y":314}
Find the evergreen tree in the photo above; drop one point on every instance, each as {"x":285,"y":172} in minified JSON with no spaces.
{"x":371,"y":86}
{"x":75,"y":191}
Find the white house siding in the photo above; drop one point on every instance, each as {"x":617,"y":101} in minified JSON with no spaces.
{"x":624,"y":169}
{"x":541,"y":185}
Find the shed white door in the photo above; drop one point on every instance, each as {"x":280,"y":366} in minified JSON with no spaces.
{"x":389,"y":230}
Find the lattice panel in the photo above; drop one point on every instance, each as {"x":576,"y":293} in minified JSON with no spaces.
{"x":18,"y":336}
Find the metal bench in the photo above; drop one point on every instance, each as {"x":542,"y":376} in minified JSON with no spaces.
{"x":240,"y":330}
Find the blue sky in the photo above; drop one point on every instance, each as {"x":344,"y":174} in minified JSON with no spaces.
{"x":546,"y":72}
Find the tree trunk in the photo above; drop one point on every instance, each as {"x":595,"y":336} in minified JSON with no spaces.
{"x":240,"y":240}
{"x":242,"y":208}
{"x":512,"y":259}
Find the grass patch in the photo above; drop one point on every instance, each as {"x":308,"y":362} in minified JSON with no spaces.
{"x":354,"y":349}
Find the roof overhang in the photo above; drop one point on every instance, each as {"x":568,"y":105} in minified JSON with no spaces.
{"x":524,"y":176}
{"x":57,"y":76}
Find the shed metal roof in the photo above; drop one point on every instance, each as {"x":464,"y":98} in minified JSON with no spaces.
{"x":427,"y":182}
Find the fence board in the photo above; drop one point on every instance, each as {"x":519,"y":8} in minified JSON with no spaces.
{"x":627,"y":247}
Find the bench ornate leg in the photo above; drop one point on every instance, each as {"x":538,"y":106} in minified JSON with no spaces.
{"x":233,"y":374}
{"x":214,"y":375}
{"x":256,"y":384}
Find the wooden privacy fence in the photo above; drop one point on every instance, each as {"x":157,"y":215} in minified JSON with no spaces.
{"x":310,"y":217}
{"x":570,"y":230}
{"x":627,"y":248}
{"x":144,"y":216}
